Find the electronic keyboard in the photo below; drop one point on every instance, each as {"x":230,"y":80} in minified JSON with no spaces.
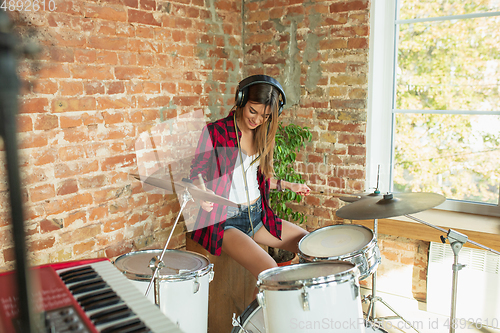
{"x":90,"y":296}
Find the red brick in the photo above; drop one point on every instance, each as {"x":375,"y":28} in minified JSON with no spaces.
{"x":143,"y":17}
{"x":85,"y":56}
{"x":59,"y":54}
{"x":357,"y":43}
{"x":41,"y":244}
{"x":148,"y":4}
{"x":104,"y":103}
{"x":73,"y":104}
{"x":32,"y":140}
{"x":94,"y":87}
{"x":68,"y":204}
{"x":111,"y":13}
{"x":44,"y":87}
{"x":24,"y":123}
{"x":42,"y":192}
{"x":128,"y":73}
{"x":93,"y":182}
{"x":98,"y":213}
{"x":92,"y":72}
{"x":43,"y":156}
{"x":68,"y":186}
{"x":70,"y":88}
{"x":346,"y":6}
{"x":107,"y":57}
{"x":33,"y":105}
{"x":84,"y":248}
{"x":115,"y":87}
{"x":108,"y":43}
{"x":75,"y":169}
{"x":70,"y":121}
{"x":50,"y":225}
{"x":112,"y":163}
{"x":74,"y":217}
{"x":68,"y":39}
{"x":46,"y":122}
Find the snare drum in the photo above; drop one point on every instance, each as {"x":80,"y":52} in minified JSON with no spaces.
{"x":183,"y":283}
{"x":348,"y":242}
{"x":311,"y":297}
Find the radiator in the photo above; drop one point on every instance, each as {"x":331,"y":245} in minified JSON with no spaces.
{"x":478,"y":295}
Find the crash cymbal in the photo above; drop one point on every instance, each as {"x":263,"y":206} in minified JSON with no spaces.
{"x":390,"y":205}
{"x":196,"y":192}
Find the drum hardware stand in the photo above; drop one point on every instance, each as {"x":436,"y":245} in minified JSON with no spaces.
{"x":236,"y":323}
{"x":374,"y":298}
{"x":456,"y":240}
{"x":157,"y":263}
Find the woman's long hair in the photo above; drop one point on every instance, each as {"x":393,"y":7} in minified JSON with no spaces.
{"x":264,"y":134}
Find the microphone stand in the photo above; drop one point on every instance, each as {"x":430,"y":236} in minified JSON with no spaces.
{"x":456,"y":240}
{"x":9,"y":88}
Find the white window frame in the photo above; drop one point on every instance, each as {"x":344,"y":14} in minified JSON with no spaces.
{"x":381,"y":91}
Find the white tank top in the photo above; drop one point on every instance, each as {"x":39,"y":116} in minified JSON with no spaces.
{"x":237,"y":192}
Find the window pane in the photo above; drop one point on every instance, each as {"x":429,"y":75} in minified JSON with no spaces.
{"x":412,"y":9}
{"x":455,"y":155}
{"x":450,"y":65}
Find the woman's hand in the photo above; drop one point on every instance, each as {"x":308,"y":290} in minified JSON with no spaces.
{"x":298,"y":188}
{"x":207,"y":206}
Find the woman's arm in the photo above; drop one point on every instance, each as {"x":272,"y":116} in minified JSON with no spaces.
{"x":298,"y":188}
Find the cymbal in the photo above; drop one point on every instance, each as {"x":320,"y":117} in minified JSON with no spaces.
{"x":360,"y":196}
{"x":390,"y":205}
{"x":193,"y":190}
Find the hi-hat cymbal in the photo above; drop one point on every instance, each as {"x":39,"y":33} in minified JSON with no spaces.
{"x":390,"y":205}
{"x":360,"y":196}
{"x":193,"y":190}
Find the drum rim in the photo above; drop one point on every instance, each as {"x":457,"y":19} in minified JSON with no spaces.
{"x":351,"y":274}
{"x":166,"y":277}
{"x":310,"y":257}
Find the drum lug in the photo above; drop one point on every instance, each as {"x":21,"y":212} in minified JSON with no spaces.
{"x":305,"y":299}
{"x":212,"y":273}
{"x":196,"y":285}
{"x":355,"y":289}
{"x":261,"y":299}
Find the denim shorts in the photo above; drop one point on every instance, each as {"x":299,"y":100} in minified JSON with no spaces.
{"x":238,"y":218}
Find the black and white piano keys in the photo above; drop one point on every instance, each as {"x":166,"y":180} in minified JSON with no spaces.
{"x":111,"y":302}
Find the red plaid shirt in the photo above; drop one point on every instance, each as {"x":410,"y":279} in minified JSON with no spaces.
{"x":215,"y":159}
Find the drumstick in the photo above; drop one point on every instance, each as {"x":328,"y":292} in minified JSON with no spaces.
{"x":337,"y":194}
{"x":202,"y":183}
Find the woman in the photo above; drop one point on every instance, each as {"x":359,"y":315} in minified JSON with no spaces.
{"x":246,"y":134}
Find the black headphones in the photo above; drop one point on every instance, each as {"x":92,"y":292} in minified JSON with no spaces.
{"x":241,"y":97}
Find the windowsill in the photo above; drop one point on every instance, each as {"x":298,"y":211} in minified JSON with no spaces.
{"x":481,"y":229}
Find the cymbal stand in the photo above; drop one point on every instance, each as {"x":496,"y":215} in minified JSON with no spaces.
{"x":156,"y":263}
{"x":374,"y":298}
{"x":456,"y":240}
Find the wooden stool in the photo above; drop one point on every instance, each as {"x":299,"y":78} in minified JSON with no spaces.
{"x":230,"y":291}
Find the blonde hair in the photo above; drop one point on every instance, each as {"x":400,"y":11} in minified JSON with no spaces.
{"x":264,"y":134}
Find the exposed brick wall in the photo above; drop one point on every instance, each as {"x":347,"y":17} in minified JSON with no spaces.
{"x":109,"y":71}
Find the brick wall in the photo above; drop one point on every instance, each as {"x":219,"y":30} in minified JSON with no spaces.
{"x":107,"y":72}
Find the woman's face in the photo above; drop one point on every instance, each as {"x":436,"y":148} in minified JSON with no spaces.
{"x":255,"y":114}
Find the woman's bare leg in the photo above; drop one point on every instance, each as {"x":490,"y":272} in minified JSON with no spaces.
{"x":291,"y":235}
{"x":246,"y":252}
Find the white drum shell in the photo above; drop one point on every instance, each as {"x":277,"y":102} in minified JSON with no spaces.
{"x":334,"y":306}
{"x":183,"y":297}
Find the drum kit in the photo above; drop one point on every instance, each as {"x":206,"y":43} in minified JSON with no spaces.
{"x":320,"y":293}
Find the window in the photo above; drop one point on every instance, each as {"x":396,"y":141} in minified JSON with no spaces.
{"x":434,"y":101}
